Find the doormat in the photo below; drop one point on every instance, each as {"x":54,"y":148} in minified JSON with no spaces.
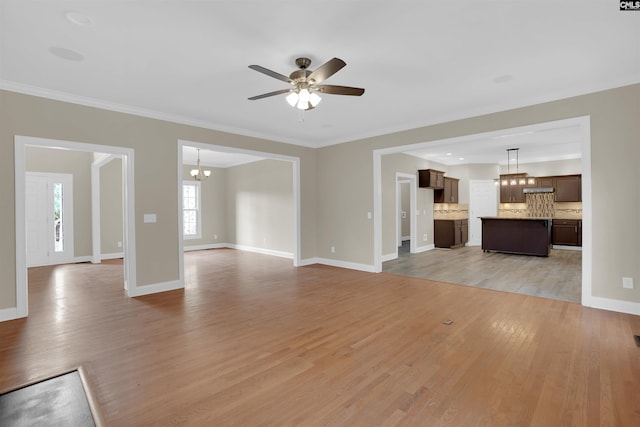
{"x":56,"y":401}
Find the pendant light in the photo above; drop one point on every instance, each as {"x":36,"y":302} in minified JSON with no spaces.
{"x":198,"y":174}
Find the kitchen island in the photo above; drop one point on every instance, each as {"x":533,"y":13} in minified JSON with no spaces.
{"x":526,"y":236}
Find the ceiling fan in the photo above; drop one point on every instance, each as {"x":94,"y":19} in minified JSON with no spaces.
{"x":305,"y":83}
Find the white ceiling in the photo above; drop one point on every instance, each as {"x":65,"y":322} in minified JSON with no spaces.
{"x":218,"y":159}
{"x":421,"y":62}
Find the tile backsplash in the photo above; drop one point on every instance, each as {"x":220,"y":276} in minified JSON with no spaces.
{"x":450,"y":211}
{"x":541,"y":208}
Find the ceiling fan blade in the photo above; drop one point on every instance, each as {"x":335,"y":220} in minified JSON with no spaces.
{"x":266,"y":95}
{"x":270,"y":73}
{"x":338,"y":90}
{"x":326,"y":70}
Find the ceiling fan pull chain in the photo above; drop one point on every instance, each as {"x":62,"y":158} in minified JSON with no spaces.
{"x":300,"y":115}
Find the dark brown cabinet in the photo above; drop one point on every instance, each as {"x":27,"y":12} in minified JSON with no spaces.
{"x":567,"y":232}
{"x":568,"y":188}
{"x":544,"y":182}
{"x":430,"y":178}
{"x":450,"y":233}
{"x":449,"y":194}
{"x":528,"y":236}
{"x":511,"y":187}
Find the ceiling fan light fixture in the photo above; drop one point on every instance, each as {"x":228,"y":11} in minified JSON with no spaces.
{"x":314,"y":99}
{"x":292,"y":99}
{"x":306,"y":83}
{"x":304,"y":95}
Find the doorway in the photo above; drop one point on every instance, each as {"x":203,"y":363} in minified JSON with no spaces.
{"x":228,"y":153}
{"x":21,"y":144}
{"x":583,"y":126}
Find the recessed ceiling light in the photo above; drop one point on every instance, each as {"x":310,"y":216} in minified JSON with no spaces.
{"x":78,"y":18}
{"x":503,"y":79}
{"x":448,"y":154}
{"x":460,"y":158}
{"x":64,"y":53}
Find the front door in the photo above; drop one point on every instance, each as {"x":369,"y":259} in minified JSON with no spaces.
{"x":49,"y":218}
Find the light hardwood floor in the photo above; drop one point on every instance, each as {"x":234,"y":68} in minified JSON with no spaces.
{"x":558,"y":276}
{"x":252,"y":341}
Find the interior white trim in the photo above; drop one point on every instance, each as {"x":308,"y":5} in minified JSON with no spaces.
{"x":96,"y":236}
{"x":345,"y":264}
{"x":584,"y":123}
{"x":413,"y":208}
{"x":8,"y":314}
{"x":156,"y":287}
{"x":272,"y":252}
{"x":295,"y":256}
{"x":619,"y":306}
{"x":114,"y":255}
{"x":129,"y":246}
{"x":188,"y":248}
{"x":431,"y":120}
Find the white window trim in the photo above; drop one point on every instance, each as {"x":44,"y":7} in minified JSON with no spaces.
{"x":198,"y":186}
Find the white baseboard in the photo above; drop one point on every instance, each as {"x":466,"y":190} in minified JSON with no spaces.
{"x":205,"y":247}
{"x":309,"y":261}
{"x":424,"y":248}
{"x":614,"y":305}
{"x":280,"y":254}
{"x":345,"y":264}
{"x":81,"y":259}
{"x":115,"y":255}
{"x":405,"y":238}
{"x":156,"y":287}
{"x":389,"y":257}
{"x":567,"y":248}
{"x":8,"y":314}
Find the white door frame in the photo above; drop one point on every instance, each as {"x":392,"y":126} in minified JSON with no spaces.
{"x":403,"y":178}
{"x":96,"y":232}
{"x":129,"y":243}
{"x":68,"y":225}
{"x":584,"y":123}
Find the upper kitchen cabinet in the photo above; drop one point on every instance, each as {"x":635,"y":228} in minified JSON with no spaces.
{"x":511,"y":186}
{"x":544,"y":182}
{"x":568,"y":188}
{"x":431,"y":178}
{"x":449,"y":194}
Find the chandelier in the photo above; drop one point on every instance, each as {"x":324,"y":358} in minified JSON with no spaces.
{"x":198,"y":174}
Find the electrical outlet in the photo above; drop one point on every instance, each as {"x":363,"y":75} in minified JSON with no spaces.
{"x":215,"y":236}
{"x":333,"y":249}
{"x":627,"y":282}
{"x":425,"y":237}
{"x":119,"y":244}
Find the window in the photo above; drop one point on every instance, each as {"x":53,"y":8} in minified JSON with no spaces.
{"x":191,"y":210}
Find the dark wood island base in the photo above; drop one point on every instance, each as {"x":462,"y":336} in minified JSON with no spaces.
{"x":526,"y":236}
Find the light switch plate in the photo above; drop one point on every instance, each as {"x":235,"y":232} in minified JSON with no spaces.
{"x":627,"y":282}
{"x":149,"y":218}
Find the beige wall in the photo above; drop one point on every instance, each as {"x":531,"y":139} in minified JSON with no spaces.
{"x":345,"y":191}
{"x":111,"y":210}
{"x":78,"y":164}
{"x":156,"y":175}
{"x":259,"y":201}
{"x":336,"y":181}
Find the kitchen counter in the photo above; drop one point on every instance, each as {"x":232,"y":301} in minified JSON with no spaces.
{"x":526,"y":236}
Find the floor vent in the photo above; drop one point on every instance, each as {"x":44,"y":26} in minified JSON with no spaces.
{"x":637,"y":338}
